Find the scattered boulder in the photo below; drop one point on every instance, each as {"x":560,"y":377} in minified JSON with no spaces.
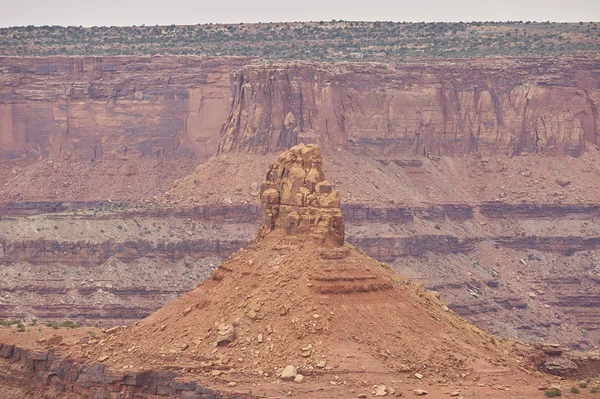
{"x":381,"y":390}
{"x":298,"y":378}
{"x":54,"y":339}
{"x":112,"y":330}
{"x":288,"y":373}
{"x":420,"y":392}
{"x":226,"y":334}
{"x":563,"y":181}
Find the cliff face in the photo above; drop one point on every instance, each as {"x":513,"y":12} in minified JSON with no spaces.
{"x":489,"y":106}
{"x":115,"y":107}
{"x":92,"y":108}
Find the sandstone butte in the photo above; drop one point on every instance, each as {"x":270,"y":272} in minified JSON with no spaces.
{"x":299,"y":300}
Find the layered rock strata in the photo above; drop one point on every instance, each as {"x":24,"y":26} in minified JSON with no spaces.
{"x":37,"y":372}
{"x":96,"y":107}
{"x":483,"y":106}
{"x":90,"y":108}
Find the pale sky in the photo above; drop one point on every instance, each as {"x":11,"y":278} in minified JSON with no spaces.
{"x":183,"y":12}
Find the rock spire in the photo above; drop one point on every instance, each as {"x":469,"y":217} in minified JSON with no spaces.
{"x":297,"y":198}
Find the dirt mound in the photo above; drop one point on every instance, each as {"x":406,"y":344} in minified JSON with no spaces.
{"x":299,"y":296}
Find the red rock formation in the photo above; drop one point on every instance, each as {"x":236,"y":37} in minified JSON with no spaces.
{"x":39,"y":371}
{"x":94,"y":107}
{"x":490,"y":106}
{"x":115,"y":107}
{"x":297,"y":197}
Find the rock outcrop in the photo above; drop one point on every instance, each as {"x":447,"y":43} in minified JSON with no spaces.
{"x":484,"y":106}
{"x":96,"y":107}
{"x":89,"y":108}
{"x":36,"y":372}
{"x":298,"y":199}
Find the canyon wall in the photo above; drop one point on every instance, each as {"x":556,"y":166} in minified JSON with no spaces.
{"x":116,"y":107}
{"x":487,"y":106}
{"x":122,"y":107}
{"x":503,"y":241}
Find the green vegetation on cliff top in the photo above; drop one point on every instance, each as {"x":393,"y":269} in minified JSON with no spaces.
{"x":335,"y":40}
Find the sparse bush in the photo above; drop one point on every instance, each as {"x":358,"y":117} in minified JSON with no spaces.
{"x":594,"y":390}
{"x":553,"y":393}
{"x":69,"y":324}
{"x":575,"y":390}
{"x":583,"y":384}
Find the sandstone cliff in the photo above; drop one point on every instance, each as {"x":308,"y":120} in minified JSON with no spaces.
{"x":115,"y":107}
{"x":489,"y":106}
{"x":123,"y":107}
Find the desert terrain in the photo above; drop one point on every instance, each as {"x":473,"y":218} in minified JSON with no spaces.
{"x":127,"y":181}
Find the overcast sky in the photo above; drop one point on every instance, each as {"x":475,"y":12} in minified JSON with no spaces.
{"x":181,"y":12}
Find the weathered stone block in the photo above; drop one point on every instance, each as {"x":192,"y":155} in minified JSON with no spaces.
{"x":184,"y":385}
{"x":163,"y":390}
{"x":94,"y":375}
{"x":6,"y":351}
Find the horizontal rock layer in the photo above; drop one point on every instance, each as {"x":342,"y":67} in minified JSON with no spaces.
{"x":90,"y":254}
{"x":110,"y":279}
{"x":94,"y":108}
{"x":46,"y":371}
{"x":352,"y":212}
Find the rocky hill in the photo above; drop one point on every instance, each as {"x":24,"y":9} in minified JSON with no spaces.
{"x":299,"y":304}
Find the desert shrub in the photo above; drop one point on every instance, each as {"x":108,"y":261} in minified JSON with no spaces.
{"x":553,"y":393}
{"x":583,"y":384}
{"x":574,"y":390}
{"x":69,"y":324}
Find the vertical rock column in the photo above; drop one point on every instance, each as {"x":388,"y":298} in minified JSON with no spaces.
{"x":297,"y":198}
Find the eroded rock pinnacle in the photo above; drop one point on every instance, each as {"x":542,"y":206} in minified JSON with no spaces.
{"x":297,"y":198}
